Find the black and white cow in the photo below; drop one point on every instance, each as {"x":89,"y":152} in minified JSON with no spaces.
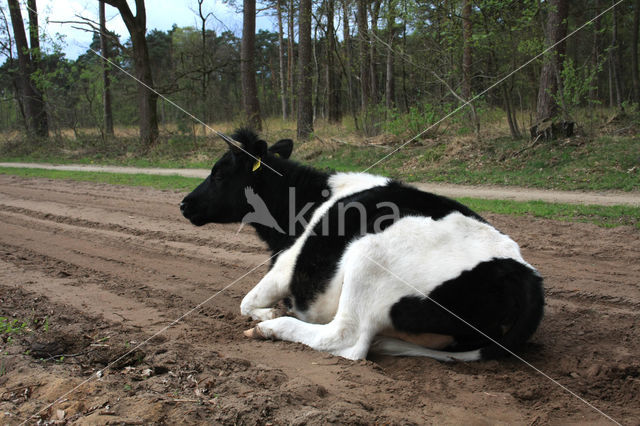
{"x":369,"y":263}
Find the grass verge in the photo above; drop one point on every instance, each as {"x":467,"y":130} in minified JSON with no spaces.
{"x":604,"y":216}
{"x":603,"y":155}
{"x":178,"y":183}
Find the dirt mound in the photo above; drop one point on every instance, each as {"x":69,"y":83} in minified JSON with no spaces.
{"x":95,"y":271}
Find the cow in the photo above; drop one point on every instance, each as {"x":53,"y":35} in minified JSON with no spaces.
{"x":367,"y":263}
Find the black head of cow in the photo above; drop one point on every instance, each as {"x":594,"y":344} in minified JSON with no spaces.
{"x":221,"y":197}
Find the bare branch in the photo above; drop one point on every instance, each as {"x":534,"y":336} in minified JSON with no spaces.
{"x":90,"y":26}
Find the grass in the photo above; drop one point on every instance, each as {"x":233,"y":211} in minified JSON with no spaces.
{"x":177,"y":183}
{"x":602,"y":157}
{"x":604,"y":216}
{"x":604,"y":163}
{"x":11,"y":326}
{"x":8,"y":329}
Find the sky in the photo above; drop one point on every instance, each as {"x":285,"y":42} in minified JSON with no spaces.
{"x":161,"y":15}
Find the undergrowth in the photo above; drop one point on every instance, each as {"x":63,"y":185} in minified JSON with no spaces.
{"x":603,"y":155}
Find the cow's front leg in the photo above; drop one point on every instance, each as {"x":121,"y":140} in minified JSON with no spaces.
{"x":339,"y":337}
{"x":258,"y":303}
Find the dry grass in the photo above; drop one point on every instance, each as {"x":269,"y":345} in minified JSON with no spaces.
{"x":493,"y":125}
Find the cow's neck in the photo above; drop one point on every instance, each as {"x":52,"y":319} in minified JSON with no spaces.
{"x":311,"y":189}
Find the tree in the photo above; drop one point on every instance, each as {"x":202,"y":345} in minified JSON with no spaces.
{"x":34,"y":36}
{"x":595,"y":50}
{"x":333,"y":104}
{"x":34,"y":108}
{"x":363,"y":41}
{"x":556,"y":30}
{"x":305,"y":69}
{"x":283,"y":84}
{"x":615,"y":85}
{"x":291,"y":74}
{"x":203,"y":68}
{"x":147,"y":97}
{"x":106,"y":81}
{"x":9,"y":80}
{"x":635,"y":72}
{"x":389,"y":90}
{"x":374,"y":12}
{"x":467,"y":33}
{"x":346,"y":33}
{"x":247,"y":66}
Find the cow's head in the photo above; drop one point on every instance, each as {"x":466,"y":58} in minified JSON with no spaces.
{"x":221,"y":197}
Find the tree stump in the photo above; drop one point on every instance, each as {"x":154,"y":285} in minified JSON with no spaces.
{"x":549,"y":130}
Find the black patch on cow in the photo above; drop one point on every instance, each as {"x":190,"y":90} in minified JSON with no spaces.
{"x":318,"y":260}
{"x":309,"y":185}
{"x":502,"y":297}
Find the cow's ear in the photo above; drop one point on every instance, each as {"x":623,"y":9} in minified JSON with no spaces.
{"x":260,"y":148}
{"x":282,"y":148}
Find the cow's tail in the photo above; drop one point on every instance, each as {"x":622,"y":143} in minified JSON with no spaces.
{"x":529,"y":301}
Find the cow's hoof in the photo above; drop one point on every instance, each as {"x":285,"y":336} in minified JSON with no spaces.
{"x":254,"y":333}
{"x":264,"y":314}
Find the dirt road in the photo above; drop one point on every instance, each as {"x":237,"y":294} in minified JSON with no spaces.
{"x":491,"y":192}
{"x":102,"y":268}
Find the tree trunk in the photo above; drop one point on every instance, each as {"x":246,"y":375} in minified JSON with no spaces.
{"x":405,"y":95}
{"x":34,"y":109}
{"x":511,"y":116}
{"x":363,"y":41}
{"x":333,"y":92}
{"x":466,"y":49}
{"x":147,"y":98}
{"x":374,"y":13}
{"x":556,"y":30}
{"x":635,"y":72}
{"x":204,"y":72}
{"x":305,"y":69}
{"x":106,"y":81}
{"x":389,"y":87}
{"x":290,"y":57}
{"x":247,"y":66}
{"x":346,"y":32}
{"x":612,"y":99}
{"x":283,"y":84}
{"x":614,"y":59}
{"x":318,"y":109}
{"x":467,"y":31}
{"x":595,"y":52}
{"x":34,"y":36}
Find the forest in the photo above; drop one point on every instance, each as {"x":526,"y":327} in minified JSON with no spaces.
{"x":392,"y":66}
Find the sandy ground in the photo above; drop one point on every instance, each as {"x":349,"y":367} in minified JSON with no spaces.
{"x":107,"y":267}
{"x":603,"y":198}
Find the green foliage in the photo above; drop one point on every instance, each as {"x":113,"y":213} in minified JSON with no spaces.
{"x":11,"y":326}
{"x":416,"y":120}
{"x":371,"y":119}
{"x":577,"y":83}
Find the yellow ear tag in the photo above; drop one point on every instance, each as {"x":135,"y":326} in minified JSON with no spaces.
{"x":256,"y":166}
